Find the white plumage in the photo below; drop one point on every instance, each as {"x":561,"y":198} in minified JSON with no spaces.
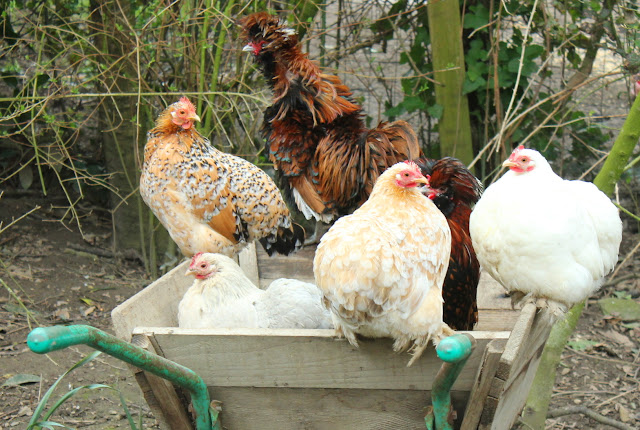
{"x":222,"y":296}
{"x":545,"y":237}
{"x":381,"y":268}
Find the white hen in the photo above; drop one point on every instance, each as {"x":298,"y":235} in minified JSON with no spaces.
{"x":222,"y":296}
{"x":545,"y":237}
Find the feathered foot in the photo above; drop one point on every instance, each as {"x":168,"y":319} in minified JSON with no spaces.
{"x":418,"y":348}
{"x":555,"y":309}
{"x":346,"y":333}
{"x":420,"y":344}
{"x":518,"y":299}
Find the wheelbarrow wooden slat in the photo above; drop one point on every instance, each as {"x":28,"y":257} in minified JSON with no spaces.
{"x":517,"y":366}
{"x":325,"y":409}
{"x":482,"y":385}
{"x":303,"y":359}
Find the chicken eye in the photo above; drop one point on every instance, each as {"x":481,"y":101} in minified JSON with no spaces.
{"x":406,"y":174}
{"x":524,"y":160}
{"x":181,"y":112}
{"x":203,"y":266}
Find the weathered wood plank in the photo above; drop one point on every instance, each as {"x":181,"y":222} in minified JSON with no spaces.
{"x":156,"y":305}
{"x":248,"y":261}
{"x":304,"y":359}
{"x":324,"y":409}
{"x":488,"y":414}
{"x":517,"y":338}
{"x":514,"y":396}
{"x":482,"y":384}
{"x":160,"y":394}
{"x":514,"y":392}
{"x":496,"y":319}
{"x":295,"y":266}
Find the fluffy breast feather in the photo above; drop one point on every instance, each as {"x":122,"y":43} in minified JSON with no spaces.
{"x":382,"y":260}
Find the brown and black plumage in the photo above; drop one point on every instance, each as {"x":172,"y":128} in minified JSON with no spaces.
{"x":327,"y":160}
{"x":456,"y":191}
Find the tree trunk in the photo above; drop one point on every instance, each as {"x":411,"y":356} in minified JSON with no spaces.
{"x":454,"y":126}
{"x":535,"y":412}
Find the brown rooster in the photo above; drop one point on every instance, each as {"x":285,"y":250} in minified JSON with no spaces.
{"x":327,"y":160}
{"x":455,"y":191}
{"x":207,"y":200}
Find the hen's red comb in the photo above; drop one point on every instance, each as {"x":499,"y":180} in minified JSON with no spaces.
{"x":186,"y":101}
{"x":411,"y":164}
{"x":515,"y":152}
{"x":194,"y":258}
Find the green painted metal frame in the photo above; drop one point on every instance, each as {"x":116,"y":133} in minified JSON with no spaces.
{"x":46,"y":339}
{"x":454,"y":351}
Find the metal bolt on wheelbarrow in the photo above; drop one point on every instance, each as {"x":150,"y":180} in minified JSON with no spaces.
{"x":453,"y":350}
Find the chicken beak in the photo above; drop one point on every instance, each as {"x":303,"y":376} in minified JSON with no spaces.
{"x":509,"y":163}
{"x":423,"y":180}
{"x":247,"y":48}
{"x":195,"y":117}
{"x":189,"y":272}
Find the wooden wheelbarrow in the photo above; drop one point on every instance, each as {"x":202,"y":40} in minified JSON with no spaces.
{"x":307,"y":379}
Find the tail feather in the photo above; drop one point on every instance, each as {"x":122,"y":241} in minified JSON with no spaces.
{"x":286,"y":241}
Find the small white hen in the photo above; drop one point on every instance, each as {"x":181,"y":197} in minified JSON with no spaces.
{"x":223,"y":297}
{"x":545,"y":238}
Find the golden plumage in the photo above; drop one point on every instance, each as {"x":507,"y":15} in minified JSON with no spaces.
{"x":210,"y":201}
{"x":381,"y":268}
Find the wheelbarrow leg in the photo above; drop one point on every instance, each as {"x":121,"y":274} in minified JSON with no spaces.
{"x":454,"y":351}
{"x":46,"y":339}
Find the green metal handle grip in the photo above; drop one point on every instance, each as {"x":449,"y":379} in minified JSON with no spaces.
{"x":454,"y":350}
{"x":46,"y":339}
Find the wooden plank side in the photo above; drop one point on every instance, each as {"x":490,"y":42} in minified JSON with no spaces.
{"x":161,"y":396}
{"x":496,"y":319}
{"x":491,"y":295}
{"x":304,"y":359}
{"x":514,"y":397}
{"x":517,"y":338}
{"x":149,"y":397}
{"x":323,"y":409}
{"x":516,"y":387}
{"x":248,"y":262}
{"x":488,"y":414}
{"x":295,"y":266}
{"x":536,"y":339}
{"x":156,"y":305}
{"x":483,"y":381}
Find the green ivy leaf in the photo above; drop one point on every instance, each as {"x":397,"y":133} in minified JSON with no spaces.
{"x":435,"y":111}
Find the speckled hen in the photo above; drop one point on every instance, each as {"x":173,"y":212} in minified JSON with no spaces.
{"x":210,"y":201}
{"x":381,"y":268}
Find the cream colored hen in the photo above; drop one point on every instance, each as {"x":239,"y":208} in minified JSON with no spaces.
{"x":222,"y":296}
{"x":381,"y":268}
{"x":544,"y":238}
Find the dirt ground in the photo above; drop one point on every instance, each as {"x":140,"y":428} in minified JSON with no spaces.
{"x":61,"y":279}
